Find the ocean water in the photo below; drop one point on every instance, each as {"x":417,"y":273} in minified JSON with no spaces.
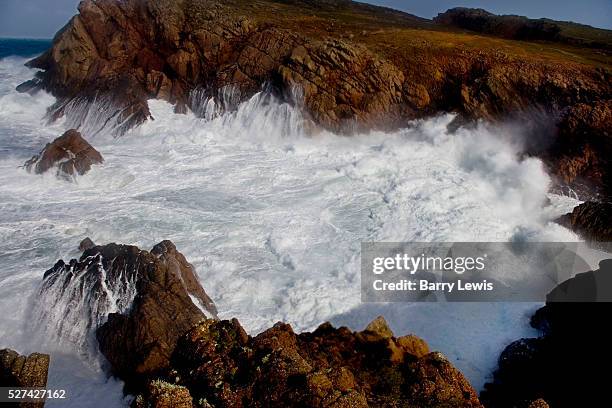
{"x":270,"y":215}
{"x":22,"y":47}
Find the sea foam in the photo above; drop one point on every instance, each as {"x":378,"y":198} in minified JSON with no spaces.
{"x":271,"y":215}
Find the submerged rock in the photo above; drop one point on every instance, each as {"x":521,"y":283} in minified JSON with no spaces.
{"x":556,"y":367}
{"x":24,"y":371}
{"x":138,"y":303}
{"x":70,"y":153}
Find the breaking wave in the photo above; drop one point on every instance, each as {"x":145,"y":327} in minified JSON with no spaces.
{"x":270,"y":213}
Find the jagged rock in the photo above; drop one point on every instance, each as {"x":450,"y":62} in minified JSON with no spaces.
{"x":86,"y":244}
{"x":160,"y":394}
{"x":591,"y":220}
{"x":554,"y":367}
{"x":132,"y":50}
{"x":189,"y":52}
{"x":137,"y":303}
{"x":222,"y":366}
{"x":172,"y":354}
{"x":380,"y":327}
{"x":70,"y":153}
{"x":24,"y":371}
{"x":413,"y":345}
{"x":539,"y":403}
{"x":583,"y":148}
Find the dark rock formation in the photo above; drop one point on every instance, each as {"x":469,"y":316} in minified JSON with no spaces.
{"x":539,"y":403}
{"x":138,"y":303}
{"x":70,"y":153}
{"x":21,"y":371}
{"x":218,"y":364}
{"x":582,"y":151}
{"x":86,"y":244}
{"x":523,"y":28}
{"x":591,"y":220}
{"x":555,"y":366}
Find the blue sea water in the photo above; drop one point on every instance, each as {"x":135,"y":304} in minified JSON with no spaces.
{"x":22,"y":47}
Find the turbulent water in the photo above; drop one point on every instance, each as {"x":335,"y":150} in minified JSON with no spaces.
{"x":271,"y":218}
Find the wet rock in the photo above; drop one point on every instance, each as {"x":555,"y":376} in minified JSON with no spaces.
{"x":591,"y":220}
{"x":70,"y":153}
{"x":86,"y":244}
{"x":171,"y":353}
{"x":31,"y":86}
{"x":583,"y":148}
{"x":24,"y":371}
{"x":133,"y":51}
{"x":138,"y":304}
{"x":546,"y":367}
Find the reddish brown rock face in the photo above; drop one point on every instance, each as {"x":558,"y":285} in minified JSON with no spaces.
{"x":219,"y":363}
{"x":24,"y":371}
{"x":591,"y":220}
{"x":70,"y":153}
{"x":165,"y":49}
{"x":138,"y":303}
{"x":173,"y":354}
{"x":584,"y":146}
{"x":348,"y":66}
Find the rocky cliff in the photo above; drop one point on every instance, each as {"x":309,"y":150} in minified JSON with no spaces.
{"x":591,"y":220}
{"x":135,"y":303}
{"x":347,"y":65}
{"x":171,"y":355}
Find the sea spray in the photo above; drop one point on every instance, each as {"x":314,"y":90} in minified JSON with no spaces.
{"x":76,"y":298}
{"x":272,"y":215}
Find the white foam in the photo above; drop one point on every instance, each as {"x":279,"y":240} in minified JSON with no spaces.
{"x":271,"y":217}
